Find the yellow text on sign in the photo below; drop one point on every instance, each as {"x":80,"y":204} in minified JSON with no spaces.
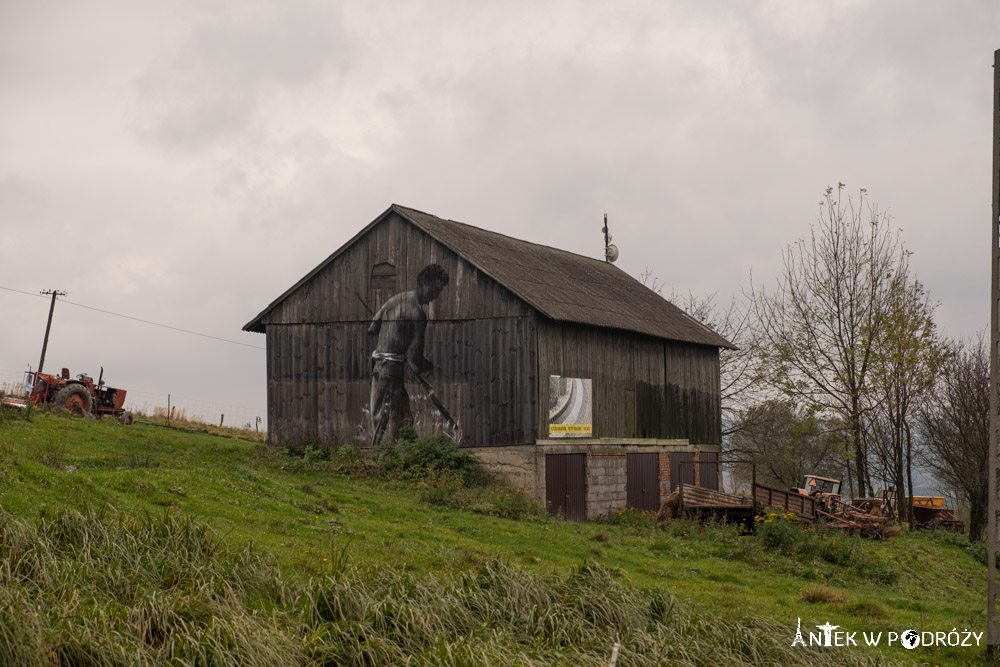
{"x":575,"y":429}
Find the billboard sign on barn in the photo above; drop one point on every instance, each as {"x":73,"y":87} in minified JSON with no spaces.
{"x":570,"y":407}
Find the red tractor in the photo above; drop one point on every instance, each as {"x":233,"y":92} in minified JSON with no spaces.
{"x":80,"y":395}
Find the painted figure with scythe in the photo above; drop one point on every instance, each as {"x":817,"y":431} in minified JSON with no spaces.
{"x":399,"y":325}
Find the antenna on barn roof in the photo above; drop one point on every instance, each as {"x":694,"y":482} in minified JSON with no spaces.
{"x":610,"y":249}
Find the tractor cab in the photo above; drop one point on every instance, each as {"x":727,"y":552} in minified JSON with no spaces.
{"x":825,"y":490}
{"x":37,"y":387}
{"x":814,"y":485}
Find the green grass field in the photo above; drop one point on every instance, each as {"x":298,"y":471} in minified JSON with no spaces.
{"x":290,"y":561}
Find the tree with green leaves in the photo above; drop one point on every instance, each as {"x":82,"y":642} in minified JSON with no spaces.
{"x":909,"y":358}
{"x":821,"y":324}
{"x":784,"y":443}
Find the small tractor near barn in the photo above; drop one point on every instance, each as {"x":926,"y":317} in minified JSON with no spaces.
{"x":81,"y":395}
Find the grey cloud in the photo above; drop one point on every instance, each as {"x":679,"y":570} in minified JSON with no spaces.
{"x":213,"y":86}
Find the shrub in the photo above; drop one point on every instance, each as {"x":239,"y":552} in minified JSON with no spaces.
{"x":413,"y":456}
{"x":352,"y":460}
{"x":314,"y":454}
{"x":779,"y":530}
{"x":837,"y":551}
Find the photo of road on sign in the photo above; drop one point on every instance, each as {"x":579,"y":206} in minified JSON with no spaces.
{"x":570,"y":407}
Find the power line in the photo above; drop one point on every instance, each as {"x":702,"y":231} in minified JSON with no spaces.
{"x":136,"y":319}
{"x":21,"y":292}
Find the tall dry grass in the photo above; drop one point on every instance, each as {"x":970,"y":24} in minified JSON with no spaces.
{"x":101,"y":588}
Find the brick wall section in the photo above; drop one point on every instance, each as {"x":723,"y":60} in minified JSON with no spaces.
{"x":664,"y":473}
{"x":606,"y":477}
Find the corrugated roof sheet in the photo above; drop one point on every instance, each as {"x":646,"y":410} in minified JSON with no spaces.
{"x":559,"y":284}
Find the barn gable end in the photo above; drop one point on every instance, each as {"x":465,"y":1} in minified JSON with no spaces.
{"x":341,"y":289}
{"x":319,"y":351}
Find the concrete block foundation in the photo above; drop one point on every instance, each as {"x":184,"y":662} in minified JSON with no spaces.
{"x":605,"y":467}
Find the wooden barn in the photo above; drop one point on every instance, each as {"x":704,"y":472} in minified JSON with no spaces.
{"x":562,"y":373}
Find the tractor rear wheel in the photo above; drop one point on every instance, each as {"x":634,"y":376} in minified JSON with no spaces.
{"x":74,"y":397}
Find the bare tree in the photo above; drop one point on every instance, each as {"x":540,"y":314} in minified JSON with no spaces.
{"x":820,"y":325}
{"x":955,"y":428}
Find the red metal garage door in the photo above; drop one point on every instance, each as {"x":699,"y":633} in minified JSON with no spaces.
{"x":642,"y":486}
{"x":565,"y":485}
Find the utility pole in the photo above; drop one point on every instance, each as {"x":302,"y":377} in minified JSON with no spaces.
{"x":993,"y":512}
{"x":48,"y":325}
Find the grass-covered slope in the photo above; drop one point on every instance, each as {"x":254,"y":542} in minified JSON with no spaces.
{"x":144,"y":545}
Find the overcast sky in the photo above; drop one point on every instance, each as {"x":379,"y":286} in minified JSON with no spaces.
{"x":185,"y":162}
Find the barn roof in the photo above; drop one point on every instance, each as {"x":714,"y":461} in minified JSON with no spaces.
{"x":559,"y":284}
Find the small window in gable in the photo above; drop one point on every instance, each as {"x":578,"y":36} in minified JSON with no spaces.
{"x":383,"y":276}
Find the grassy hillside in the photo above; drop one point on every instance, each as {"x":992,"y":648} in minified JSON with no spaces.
{"x":223,"y":548}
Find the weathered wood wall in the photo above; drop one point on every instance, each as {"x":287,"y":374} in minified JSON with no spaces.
{"x":492,"y":354}
{"x":644,"y":387}
{"x":332,"y":295}
{"x":480,"y":338}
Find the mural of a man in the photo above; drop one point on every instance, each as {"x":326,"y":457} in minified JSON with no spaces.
{"x":399,"y":325}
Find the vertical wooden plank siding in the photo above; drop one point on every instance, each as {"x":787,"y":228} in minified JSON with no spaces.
{"x":332,"y":295}
{"x":319,"y":380}
{"x":480,"y":337}
{"x":644,"y":387}
{"x":492,"y":353}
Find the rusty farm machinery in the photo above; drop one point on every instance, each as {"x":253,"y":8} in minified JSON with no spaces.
{"x":80,"y":395}
{"x":817,"y":500}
